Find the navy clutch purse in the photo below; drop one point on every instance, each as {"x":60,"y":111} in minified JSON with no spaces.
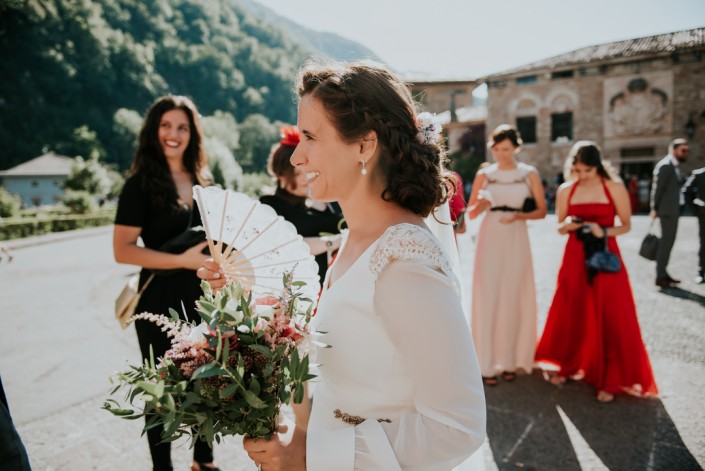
{"x":604,"y":261}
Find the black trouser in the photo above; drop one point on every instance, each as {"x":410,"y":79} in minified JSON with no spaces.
{"x":669,"y":228}
{"x":12,"y":452}
{"x":148,"y":334}
{"x":701,"y":253}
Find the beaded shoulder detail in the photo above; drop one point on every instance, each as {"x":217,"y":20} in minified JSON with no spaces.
{"x":408,"y":242}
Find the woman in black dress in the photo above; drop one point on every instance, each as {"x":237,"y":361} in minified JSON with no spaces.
{"x":290,"y":200}
{"x":156,"y":204}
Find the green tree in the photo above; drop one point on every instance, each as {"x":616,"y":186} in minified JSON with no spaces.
{"x":222,"y":126}
{"x":225,"y":169}
{"x":218,"y":177}
{"x":257,"y":135}
{"x":83,"y":141}
{"x":79,"y":202}
{"x":90,"y":176}
{"x":126,"y":129}
{"x":74,"y":69}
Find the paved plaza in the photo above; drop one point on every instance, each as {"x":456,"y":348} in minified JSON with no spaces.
{"x":59,"y":344}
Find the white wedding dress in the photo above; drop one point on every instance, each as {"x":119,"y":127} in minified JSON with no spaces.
{"x":400,"y":387}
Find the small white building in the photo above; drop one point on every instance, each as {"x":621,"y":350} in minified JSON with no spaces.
{"x":38,"y":181}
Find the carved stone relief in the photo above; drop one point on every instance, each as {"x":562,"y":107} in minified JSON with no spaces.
{"x":638,"y":105}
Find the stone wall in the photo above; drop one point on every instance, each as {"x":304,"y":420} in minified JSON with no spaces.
{"x":435,"y":97}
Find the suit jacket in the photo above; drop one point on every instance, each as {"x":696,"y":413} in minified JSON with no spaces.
{"x":665,"y":189}
{"x":695,"y":188}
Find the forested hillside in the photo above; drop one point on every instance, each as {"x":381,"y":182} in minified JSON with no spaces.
{"x":78,"y":74}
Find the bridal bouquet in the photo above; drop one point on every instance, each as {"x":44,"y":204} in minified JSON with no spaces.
{"x":229,"y":374}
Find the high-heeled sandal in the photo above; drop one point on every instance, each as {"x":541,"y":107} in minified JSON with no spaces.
{"x":490,"y":380}
{"x":554,"y":378}
{"x":509,"y":376}
{"x":604,"y":396}
{"x":196,"y":466}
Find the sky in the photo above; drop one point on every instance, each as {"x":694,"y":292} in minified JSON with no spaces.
{"x":465,"y":39}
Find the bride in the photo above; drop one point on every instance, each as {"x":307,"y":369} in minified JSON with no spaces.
{"x":400,"y":388}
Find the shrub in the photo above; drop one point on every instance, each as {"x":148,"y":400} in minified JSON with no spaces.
{"x":10,"y":204}
{"x":254,"y":184}
{"x":79,"y":202}
{"x":25,"y":227}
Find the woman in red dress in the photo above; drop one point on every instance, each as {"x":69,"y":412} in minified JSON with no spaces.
{"x":592,"y":332}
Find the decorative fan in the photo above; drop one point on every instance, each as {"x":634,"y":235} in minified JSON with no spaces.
{"x":253,"y":244}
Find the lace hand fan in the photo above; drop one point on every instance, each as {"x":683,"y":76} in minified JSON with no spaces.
{"x":253,"y":244}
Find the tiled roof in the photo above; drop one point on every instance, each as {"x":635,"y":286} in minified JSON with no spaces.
{"x":659,"y":44}
{"x":48,"y":164}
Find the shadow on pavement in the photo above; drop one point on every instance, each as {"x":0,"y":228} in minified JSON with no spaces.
{"x":684,"y":294}
{"x":533,"y":425}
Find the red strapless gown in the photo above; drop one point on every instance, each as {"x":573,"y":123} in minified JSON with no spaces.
{"x":592,"y":331}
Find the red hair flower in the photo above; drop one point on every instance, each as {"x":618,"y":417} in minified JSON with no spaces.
{"x":290,"y":136}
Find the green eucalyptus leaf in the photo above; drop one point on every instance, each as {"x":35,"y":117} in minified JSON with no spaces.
{"x":253,"y":400}
{"x":299,"y":395}
{"x":174,"y":314}
{"x":264,"y":350}
{"x":255,"y":387}
{"x":229,"y":390}
{"x":206,"y":306}
{"x":206,"y":371}
{"x":148,"y":387}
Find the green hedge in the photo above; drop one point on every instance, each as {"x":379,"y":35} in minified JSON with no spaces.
{"x":16,"y":228}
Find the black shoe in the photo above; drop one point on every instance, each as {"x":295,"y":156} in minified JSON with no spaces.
{"x":672,"y":280}
{"x":664,"y":283}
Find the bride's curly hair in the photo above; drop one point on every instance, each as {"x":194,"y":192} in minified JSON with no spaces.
{"x":363,"y":96}
{"x":150,"y":160}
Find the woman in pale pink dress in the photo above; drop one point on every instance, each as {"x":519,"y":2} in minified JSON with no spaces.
{"x":503,"y":315}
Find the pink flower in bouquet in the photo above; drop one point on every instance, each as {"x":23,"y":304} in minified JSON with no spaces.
{"x":267,"y":301}
{"x":266,"y":306}
{"x":261,"y":325}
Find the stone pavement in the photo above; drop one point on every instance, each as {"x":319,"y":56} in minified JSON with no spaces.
{"x":58,"y":345}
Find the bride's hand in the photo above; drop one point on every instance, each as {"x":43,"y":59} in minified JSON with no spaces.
{"x":212,"y":273}
{"x":285,"y":451}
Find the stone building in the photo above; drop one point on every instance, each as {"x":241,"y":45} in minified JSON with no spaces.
{"x":632,"y":97}
{"x":436,"y":96}
{"x":453,"y":102}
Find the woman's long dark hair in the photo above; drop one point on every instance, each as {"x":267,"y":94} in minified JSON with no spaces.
{"x":588,"y":153}
{"x":150,"y":160}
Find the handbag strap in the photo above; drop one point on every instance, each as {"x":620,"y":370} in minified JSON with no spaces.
{"x":146,"y":283}
{"x":604,"y":239}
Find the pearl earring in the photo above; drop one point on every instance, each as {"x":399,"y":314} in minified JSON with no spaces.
{"x":364,"y":168}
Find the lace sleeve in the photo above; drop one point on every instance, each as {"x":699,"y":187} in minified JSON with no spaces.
{"x":412,"y":243}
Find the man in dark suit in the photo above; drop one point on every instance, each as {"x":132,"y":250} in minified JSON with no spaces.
{"x":694,"y":191}
{"x":12,"y":451}
{"x":666,"y":202}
